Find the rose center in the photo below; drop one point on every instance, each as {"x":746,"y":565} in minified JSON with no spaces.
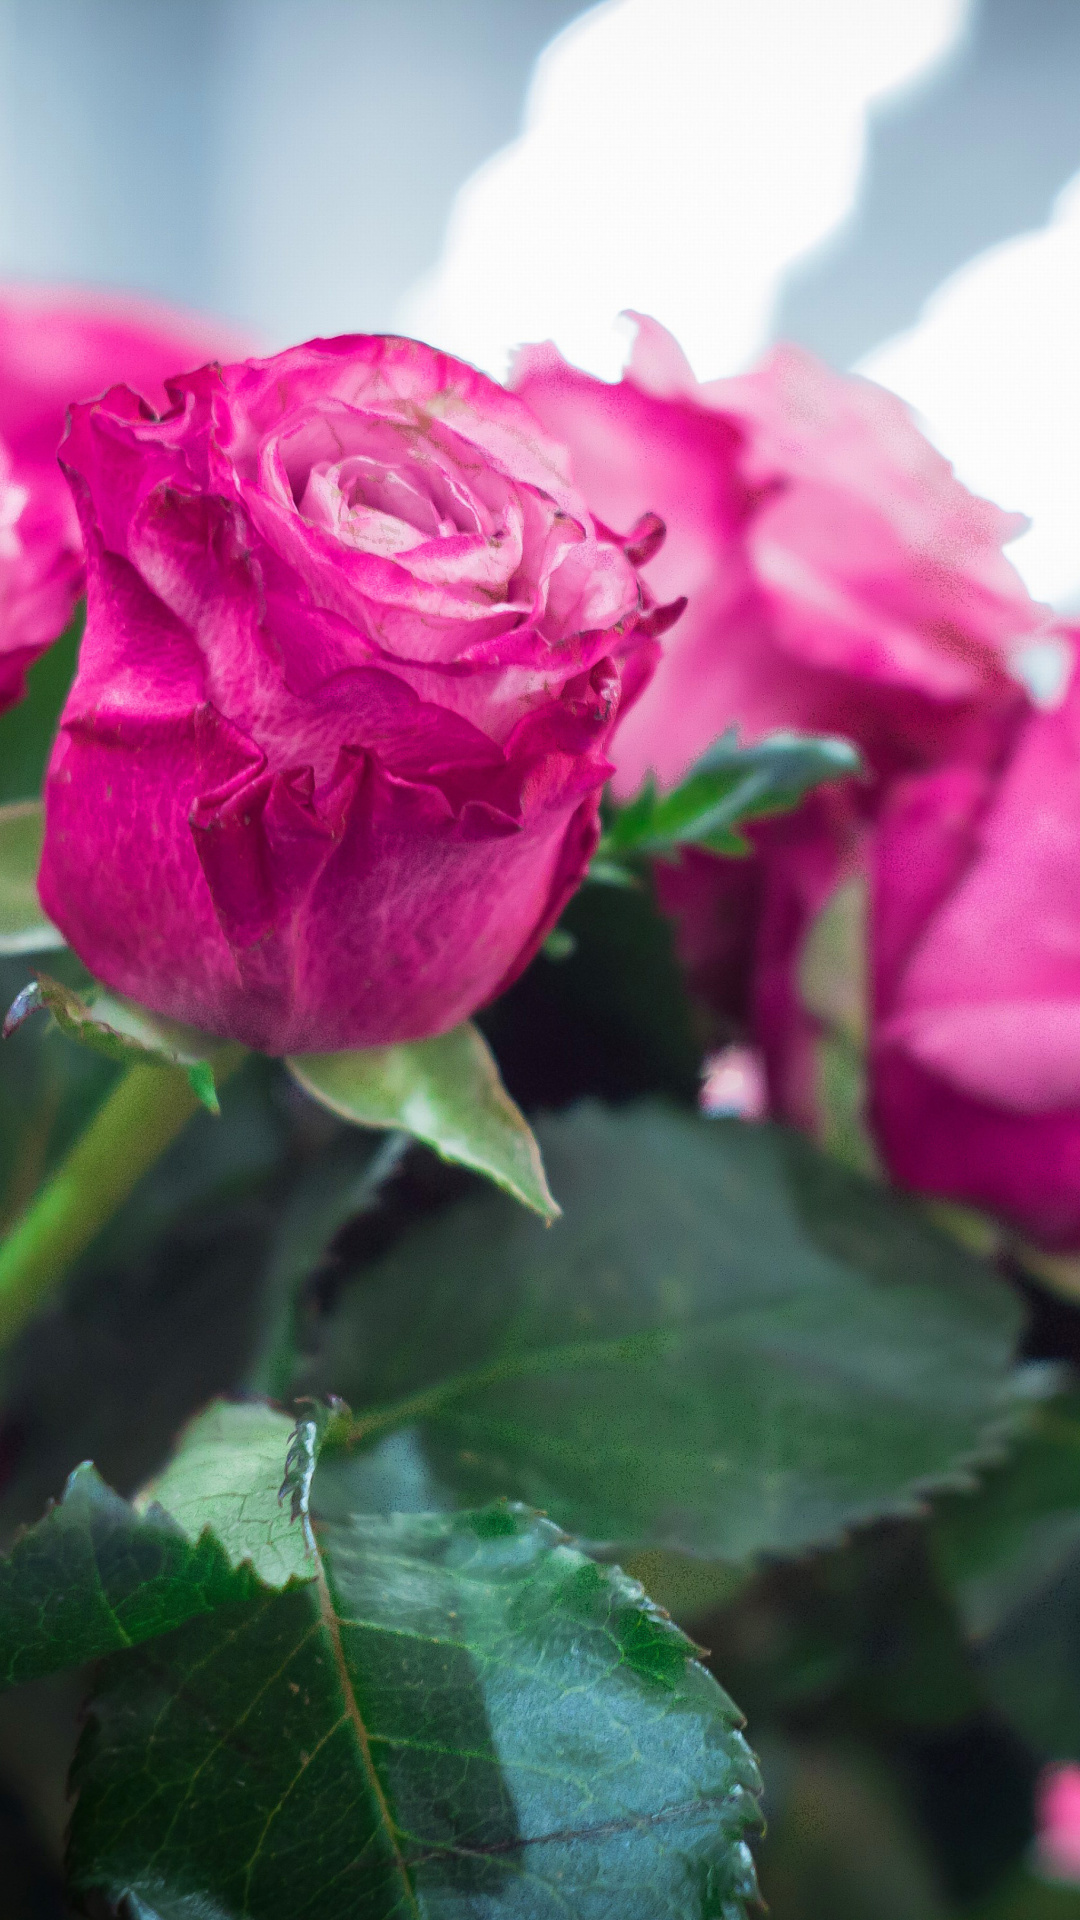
{"x":376,"y":509}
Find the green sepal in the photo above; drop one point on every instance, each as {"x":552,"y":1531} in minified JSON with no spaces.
{"x":24,"y":927}
{"x":727,"y":787}
{"x":446,"y":1092}
{"x":122,"y":1031}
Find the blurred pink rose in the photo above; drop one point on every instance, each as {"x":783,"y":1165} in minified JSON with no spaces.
{"x":331,"y":764}
{"x":970,"y":875}
{"x":1057,"y":1813}
{"x":975,"y":1038}
{"x":58,"y":345}
{"x":839,"y":577}
{"x":41,"y":570}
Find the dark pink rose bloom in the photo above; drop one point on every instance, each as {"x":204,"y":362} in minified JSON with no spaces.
{"x":975,"y":1036}
{"x":972,"y":941}
{"x":839,"y":577}
{"x":58,"y":345}
{"x":331,"y":764}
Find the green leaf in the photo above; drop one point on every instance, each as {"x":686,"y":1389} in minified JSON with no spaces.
{"x":99,"y":1573}
{"x":228,"y":1474}
{"x":728,"y":786}
{"x":1024,"y":1897}
{"x":833,"y":985}
{"x":123,"y":1031}
{"x":999,"y":1549}
{"x":23,"y":926}
{"x":1010,"y":1556}
{"x":27,"y":730}
{"x":445,"y":1092}
{"x":729,"y":1346}
{"x":461,"y":1719}
{"x":339,"y":1186}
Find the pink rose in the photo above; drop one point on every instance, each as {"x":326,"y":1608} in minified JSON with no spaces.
{"x":41,"y":569}
{"x":975,"y":1037}
{"x":839,"y":577}
{"x":59,"y":345}
{"x":331,"y":764}
{"x":958,"y":976}
{"x":1057,"y":1814}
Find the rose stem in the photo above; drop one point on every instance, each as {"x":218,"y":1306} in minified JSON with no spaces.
{"x":144,"y":1112}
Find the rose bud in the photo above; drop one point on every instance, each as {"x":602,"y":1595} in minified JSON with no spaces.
{"x":59,"y":345}
{"x":331,"y":764}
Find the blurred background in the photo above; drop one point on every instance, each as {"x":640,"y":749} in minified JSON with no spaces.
{"x":887,"y":181}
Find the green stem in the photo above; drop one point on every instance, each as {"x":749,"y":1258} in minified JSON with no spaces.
{"x":144,"y":1112}
{"x":636,"y":1349}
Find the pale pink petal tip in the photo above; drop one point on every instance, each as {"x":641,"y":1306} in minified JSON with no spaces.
{"x":733,"y":1085}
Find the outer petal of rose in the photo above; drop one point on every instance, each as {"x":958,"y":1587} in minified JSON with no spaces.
{"x":116,"y":459}
{"x":355,"y":926}
{"x":825,"y":592}
{"x":976,"y":1060}
{"x":137,"y":659}
{"x":635,"y":454}
{"x":470,"y":914}
{"x":398,"y":923}
{"x":120,"y":874}
{"x":1023,"y":1055}
{"x":657,"y":363}
{"x":928,"y":836}
{"x":936,"y":1139}
{"x":1009,"y":931}
{"x":874,"y":558}
{"x":39,"y":585}
{"x":804,"y":421}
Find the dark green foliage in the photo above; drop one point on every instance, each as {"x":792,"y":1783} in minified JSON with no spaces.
{"x":1011,"y":1558}
{"x":614,"y":1018}
{"x":97,"y":1573}
{"x":728,"y":1348}
{"x":28,"y":729}
{"x":461,"y":1717}
{"x":94,"y":1576}
{"x":24,"y":927}
{"x":729,"y":1345}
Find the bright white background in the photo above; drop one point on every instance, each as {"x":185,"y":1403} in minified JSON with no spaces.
{"x":886,"y":180}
